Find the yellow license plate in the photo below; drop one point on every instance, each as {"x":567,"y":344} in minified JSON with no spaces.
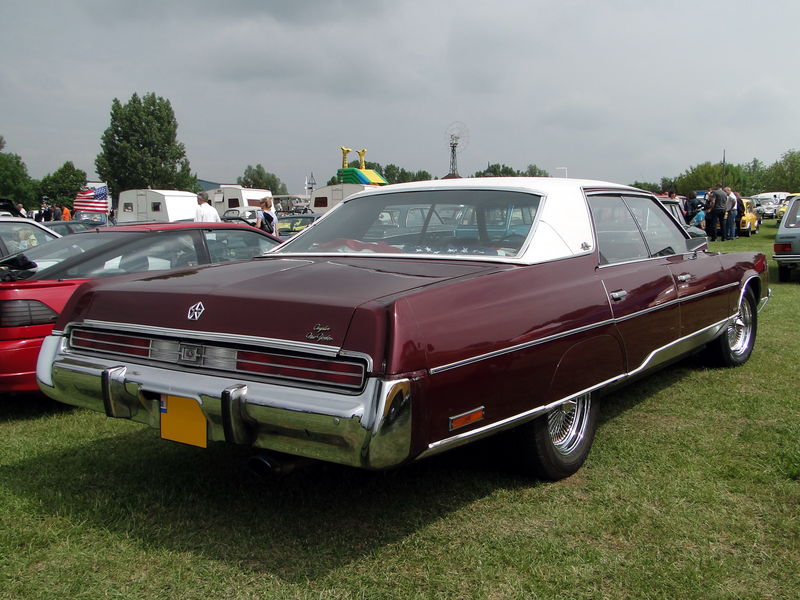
{"x":182,"y":420}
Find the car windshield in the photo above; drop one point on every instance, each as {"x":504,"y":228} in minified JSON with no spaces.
{"x":54,"y":252}
{"x":94,"y":217}
{"x":453,"y":223}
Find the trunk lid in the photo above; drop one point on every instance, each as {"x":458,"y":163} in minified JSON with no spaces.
{"x":309,"y":300}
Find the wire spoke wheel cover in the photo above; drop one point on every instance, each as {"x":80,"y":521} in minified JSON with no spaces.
{"x":741,"y":329}
{"x":568,"y":423}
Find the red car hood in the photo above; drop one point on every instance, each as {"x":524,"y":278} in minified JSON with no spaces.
{"x":296,"y":299}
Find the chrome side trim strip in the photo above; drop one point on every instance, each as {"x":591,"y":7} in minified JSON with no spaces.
{"x":492,"y":428}
{"x":675,"y":301}
{"x":217,"y":337}
{"x":763,"y":302}
{"x":550,"y":338}
{"x":495,"y":353}
{"x":462,"y":438}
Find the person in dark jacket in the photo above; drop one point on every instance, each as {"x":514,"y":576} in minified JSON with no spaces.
{"x":715,"y":213}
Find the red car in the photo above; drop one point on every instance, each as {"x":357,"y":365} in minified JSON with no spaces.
{"x":412,"y":319}
{"x":36,"y":283}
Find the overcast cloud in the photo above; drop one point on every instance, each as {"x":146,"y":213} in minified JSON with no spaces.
{"x":619,"y":90}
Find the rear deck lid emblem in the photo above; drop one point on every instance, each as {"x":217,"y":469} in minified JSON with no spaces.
{"x":195,"y":311}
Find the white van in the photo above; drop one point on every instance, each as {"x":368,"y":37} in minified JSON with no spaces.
{"x":156,"y":205}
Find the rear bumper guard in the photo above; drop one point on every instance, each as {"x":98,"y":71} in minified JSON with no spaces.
{"x":370,"y":430}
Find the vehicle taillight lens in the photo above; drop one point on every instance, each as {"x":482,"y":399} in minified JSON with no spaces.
{"x":306,"y":369}
{"x":782,"y":247}
{"x":21,"y":313}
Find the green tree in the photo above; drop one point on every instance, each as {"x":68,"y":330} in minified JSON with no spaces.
{"x":394,"y":174}
{"x":62,"y":185}
{"x":784,"y":175}
{"x":497,"y":170}
{"x":650,"y":187}
{"x":140,"y":148}
{"x":698,"y":177}
{"x":258,"y":177}
{"x":2,"y":143}
{"x":755,"y":174}
{"x":15,"y":183}
{"x":534,"y":171}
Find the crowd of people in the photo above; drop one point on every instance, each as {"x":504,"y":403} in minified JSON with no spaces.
{"x":49,"y":212}
{"x":718,"y":213}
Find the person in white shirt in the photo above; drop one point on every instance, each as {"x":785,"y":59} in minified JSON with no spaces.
{"x":205,"y":213}
{"x":267,"y":219}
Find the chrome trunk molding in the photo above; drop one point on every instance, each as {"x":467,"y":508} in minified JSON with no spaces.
{"x":228,"y":338}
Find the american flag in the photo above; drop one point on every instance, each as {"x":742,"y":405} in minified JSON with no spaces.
{"x":92,"y":200}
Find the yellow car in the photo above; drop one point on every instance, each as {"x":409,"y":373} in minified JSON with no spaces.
{"x":749,"y":222}
{"x":782,"y":208}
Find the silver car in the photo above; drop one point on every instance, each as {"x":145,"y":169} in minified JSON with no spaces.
{"x":787,"y":242}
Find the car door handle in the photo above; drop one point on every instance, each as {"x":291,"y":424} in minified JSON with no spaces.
{"x":685,"y":277}
{"x":618,"y":295}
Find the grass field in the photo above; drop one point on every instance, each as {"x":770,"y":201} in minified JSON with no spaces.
{"x":692,"y":490}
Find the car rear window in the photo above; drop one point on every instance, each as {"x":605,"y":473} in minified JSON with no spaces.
{"x":452,"y":223}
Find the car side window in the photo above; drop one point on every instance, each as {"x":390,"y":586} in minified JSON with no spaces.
{"x":225,"y":245}
{"x":662,"y":235}
{"x":22,"y":236}
{"x":148,"y":253}
{"x":618,"y":235}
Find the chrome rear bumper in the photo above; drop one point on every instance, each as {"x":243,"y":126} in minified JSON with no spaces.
{"x":371,"y":429}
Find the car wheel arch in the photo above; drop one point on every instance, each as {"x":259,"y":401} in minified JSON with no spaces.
{"x":565,"y":381}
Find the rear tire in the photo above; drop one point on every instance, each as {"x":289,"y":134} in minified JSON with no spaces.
{"x":784,"y":273}
{"x":734,"y":346}
{"x":555,"y":445}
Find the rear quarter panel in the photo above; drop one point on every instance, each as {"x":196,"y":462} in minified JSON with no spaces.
{"x":509,"y":341}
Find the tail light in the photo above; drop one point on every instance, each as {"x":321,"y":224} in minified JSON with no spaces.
{"x":782,"y":247}
{"x":22,"y":313}
{"x":349,"y":375}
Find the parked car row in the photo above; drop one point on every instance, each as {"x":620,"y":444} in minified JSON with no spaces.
{"x":414,"y":318}
{"x":37,"y":281}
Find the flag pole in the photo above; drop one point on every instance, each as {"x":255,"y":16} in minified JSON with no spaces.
{"x":723,"y":167}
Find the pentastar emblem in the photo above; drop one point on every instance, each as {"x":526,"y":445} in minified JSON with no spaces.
{"x":195,"y":311}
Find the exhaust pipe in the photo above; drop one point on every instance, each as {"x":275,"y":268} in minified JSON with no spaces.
{"x":272,"y":466}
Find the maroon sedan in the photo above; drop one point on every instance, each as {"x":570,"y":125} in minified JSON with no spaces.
{"x":412,"y":319}
{"x":36,"y":283}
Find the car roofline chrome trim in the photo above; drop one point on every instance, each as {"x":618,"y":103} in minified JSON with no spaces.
{"x":228,"y":338}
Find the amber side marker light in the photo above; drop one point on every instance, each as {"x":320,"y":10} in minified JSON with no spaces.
{"x":467,"y":418}
{"x":782,"y":247}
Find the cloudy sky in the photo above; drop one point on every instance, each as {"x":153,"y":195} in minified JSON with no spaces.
{"x":620,"y":90}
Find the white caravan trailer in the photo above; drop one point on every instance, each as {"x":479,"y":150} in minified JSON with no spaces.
{"x":156,"y":205}
{"x":226,"y":197}
{"x":325,"y":198}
